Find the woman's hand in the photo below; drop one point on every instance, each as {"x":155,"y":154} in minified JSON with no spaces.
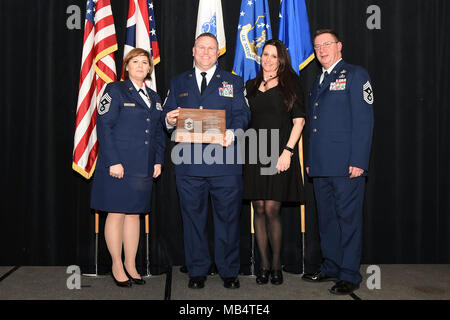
{"x":156,"y":170}
{"x":284,"y":161}
{"x":116,"y":171}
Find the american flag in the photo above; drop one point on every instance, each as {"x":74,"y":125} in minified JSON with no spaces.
{"x":98,"y":68}
{"x":141,"y":32}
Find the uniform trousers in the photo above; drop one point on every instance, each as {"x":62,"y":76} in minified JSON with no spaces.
{"x":226,"y":198}
{"x":339,"y":209}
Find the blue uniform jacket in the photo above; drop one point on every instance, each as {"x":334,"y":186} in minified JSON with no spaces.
{"x":128,"y":131}
{"x":184,"y":93}
{"x":341,"y":122}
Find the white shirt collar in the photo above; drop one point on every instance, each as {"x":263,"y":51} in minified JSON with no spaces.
{"x":137,"y":87}
{"x":209,"y":75}
{"x":328,"y":70}
{"x":144,"y":97}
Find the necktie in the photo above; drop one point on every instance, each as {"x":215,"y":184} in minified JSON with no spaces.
{"x":203,"y":85}
{"x":143,"y":92}
{"x":145,"y":97}
{"x":325,"y":75}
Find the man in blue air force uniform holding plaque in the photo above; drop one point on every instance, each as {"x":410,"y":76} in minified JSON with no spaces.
{"x":341,"y":125}
{"x":197,"y":177}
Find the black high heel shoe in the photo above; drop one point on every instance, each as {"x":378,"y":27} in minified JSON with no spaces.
{"x":123,"y":284}
{"x":276,"y":277}
{"x":134,"y":280}
{"x":263,"y":276}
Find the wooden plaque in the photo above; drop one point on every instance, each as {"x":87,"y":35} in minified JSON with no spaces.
{"x":200,"y":126}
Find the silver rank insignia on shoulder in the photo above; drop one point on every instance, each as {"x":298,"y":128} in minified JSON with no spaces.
{"x":368,"y":93}
{"x":167,"y":96}
{"x":245,"y":97}
{"x":105,"y":103}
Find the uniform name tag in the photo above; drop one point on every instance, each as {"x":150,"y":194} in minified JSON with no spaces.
{"x":127,"y":104}
{"x":339,"y":84}
{"x":226,"y":90}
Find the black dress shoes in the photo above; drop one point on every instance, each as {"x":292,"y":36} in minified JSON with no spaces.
{"x":343,"y":287}
{"x":231,"y":283}
{"x":211,"y":272}
{"x":318,"y":276}
{"x":263,"y":276}
{"x":276,"y":277}
{"x":183,"y":269}
{"x":123,"y":284}
{"x":134,"y":280}
{"x":196,"y":282}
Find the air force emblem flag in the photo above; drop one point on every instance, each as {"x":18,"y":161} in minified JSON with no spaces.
{"x":254,"y":30}
{"x":368,"y":93}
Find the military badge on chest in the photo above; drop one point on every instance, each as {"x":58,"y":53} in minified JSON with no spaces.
{"x":339,"y":84}
{"x":226,"y":90}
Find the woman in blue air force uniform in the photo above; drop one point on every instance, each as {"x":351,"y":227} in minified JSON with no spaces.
{"x":131,"y":153}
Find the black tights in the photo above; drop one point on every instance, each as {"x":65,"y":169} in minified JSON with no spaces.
{"x":268,"y":228}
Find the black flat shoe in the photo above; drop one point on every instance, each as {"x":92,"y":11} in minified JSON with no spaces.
{"x":134,"y":280}
{"x":276,"y":277}
{"x":263,"y":277}
{"x":196,"y":282}
{"x":123,"y":284}
{"x":343,"y":287}
{"x":231,"y":283}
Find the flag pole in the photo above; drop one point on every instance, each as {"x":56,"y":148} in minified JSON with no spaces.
{"x":302,"y":207}
{"x":252,"y":230}
{"x":147,"y":247}
{"x":96,"y":229}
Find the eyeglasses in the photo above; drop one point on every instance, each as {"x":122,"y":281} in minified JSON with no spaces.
{"x":326,"y":45}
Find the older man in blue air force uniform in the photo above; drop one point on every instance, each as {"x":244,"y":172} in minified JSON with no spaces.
{"x":208,"y":87}
{"x":341,"y":125}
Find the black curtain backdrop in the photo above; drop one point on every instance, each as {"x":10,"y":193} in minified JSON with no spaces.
{"x":45,"y":217}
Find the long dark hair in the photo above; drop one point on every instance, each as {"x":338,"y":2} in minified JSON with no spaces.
{"x":288,"y":80}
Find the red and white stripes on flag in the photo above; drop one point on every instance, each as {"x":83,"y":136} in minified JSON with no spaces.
{"x":98,"y":68}
{"x":141,"y":32}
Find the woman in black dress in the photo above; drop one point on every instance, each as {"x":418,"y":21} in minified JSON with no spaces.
{"x":276,"y":102}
